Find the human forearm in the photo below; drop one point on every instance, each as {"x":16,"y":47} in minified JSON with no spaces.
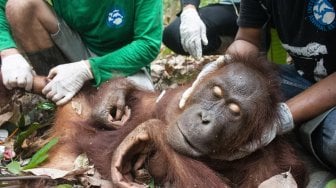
{"x":125,"y":61}
{"x":189,"y":6}
{"x":247,"y":41}
{"x":9,"y":51}
{"x":242,"y":47}
{"x":313,"y":101}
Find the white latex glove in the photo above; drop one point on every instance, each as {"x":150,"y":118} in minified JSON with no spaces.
{"x":66,"y":81}
{"x":192,"y":32}
{"x":16,"y":72}
{"x":286,"y":122}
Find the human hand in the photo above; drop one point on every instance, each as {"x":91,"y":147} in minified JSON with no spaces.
{"x":66,"y":81}
{"x":16,"y":72}
{"x":192,"y":32}
{"x":285,"y":122}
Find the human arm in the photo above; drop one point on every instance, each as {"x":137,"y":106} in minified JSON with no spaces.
{"x":307,"y":104}
{"x":144,"y":48}
{"x":16,"y":71}
{"x":315,"y":100}
{"x":247,"y":41}
{"x":252,"y":18}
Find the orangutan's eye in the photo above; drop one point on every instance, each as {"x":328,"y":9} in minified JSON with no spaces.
{"x":234,"y":109}
{"x":218,"y":92}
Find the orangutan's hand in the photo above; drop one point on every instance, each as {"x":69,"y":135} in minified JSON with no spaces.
{"x":111,"y":110}
{"x":137,"y":143}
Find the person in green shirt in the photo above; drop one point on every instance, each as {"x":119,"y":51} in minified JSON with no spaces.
{"x":76,"y":41}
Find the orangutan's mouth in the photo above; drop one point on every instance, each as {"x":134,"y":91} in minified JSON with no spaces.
{"x":196,"y":151}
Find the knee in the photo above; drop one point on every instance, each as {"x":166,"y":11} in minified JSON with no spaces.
{"x":328,"y":151}
{"x":170,"y":34}
{"x":171,"y":38}
{"x":18,"y":11}
{"x":327,"y":134}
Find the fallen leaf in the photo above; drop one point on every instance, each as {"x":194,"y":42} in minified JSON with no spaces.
{"x":77,"y":107}
{"x":283,"y":180}
{"x":5,"y":117}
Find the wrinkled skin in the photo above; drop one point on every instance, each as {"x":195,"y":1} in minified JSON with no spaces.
{"x":216,"y":112}
{"x":111,"y":110}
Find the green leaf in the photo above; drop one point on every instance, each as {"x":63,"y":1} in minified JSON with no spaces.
{"x":331,"y":184}
{"x":34,"y":163}
{"x":23,"y":135}
{"x":41,"y":155}
{"x":49,"y":106}
{"x":151,"y":183}
{"x":14,"y":167}
{"x":49,"y":1}
{"x":64,"y":186}
{"x":276,"y":52}
{"x":21,"y":124}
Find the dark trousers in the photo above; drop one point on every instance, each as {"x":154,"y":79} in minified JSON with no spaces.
{"x":220,"y":20}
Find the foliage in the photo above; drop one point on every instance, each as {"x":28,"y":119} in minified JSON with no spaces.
{"x":39,"y":157}
{"x":276,"y":52}
{"x":30,"y":122}
{"x":151,"y":184}
{"x":49,"y":106}
{"x":64,"y":186}
{"x":25,"y":134}
{"x":14,"y":167}
{"x":49,"y":1}
{"x":331,"y":184}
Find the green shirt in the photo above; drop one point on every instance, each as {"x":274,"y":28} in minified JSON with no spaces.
{"x":6,"y":40}
{"x":125,"y":34}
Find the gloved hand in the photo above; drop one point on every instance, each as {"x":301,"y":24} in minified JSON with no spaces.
{"x":192,"y":32}
{"x":286,"y":122}
{"x":16,"y":72}
{"x":66,"y":81}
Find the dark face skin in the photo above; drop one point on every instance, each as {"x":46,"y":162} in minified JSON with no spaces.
{"x":217,"y":112}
